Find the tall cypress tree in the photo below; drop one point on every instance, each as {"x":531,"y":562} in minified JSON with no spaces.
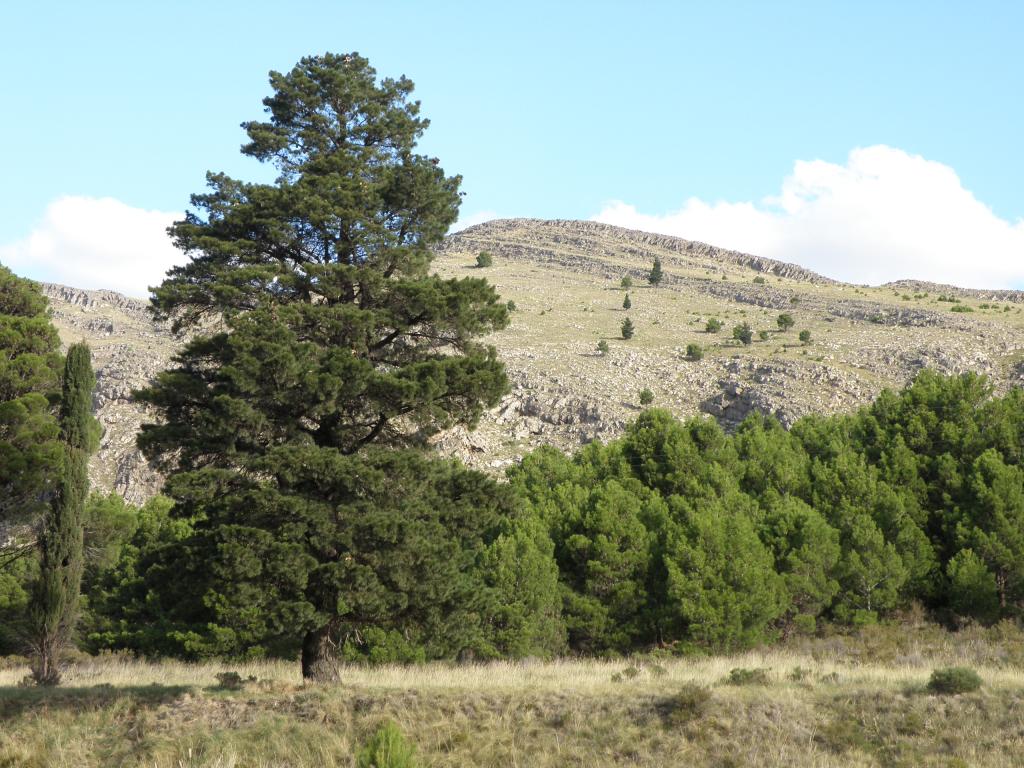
{"x":332,"y":341}
{"x":54,"y":608}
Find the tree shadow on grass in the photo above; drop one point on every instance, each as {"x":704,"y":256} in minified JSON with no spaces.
{"x":15,"y":701}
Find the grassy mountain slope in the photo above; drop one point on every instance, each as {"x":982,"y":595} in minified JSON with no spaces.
{"x":564,"y":278}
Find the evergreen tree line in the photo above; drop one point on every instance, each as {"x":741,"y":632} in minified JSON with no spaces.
{"x":676,"y":535}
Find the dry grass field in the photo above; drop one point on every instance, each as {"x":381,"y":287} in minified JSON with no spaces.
{"x":834,"y":702}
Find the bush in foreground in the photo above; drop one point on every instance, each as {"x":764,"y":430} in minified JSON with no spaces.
{"x":950,"y":681}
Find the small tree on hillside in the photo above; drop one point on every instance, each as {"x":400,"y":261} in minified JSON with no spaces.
{"x":627,"y":329}
{"x":646,"y":397}
{"x":54,"y":608}
{"x":785,"y":321}
{"x":714,"y":325}
{"x":484,"y":259}
{"x":805,"y":337}
{"x":602,"y":347}
{"x":626,"y":303}
{"x":626,"y":282}
{"x":743,"y":333}
{"x":656,"y":275}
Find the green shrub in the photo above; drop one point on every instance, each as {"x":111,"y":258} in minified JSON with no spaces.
{"x":785,"y":321}
{"x":628,"y":329}
{"x":805,"y":337}
{"x":759,"y":280}
{"x":743,"y":333}
{"x":387,"y":748}
{"x":602,"y":347}
{"x":685,"y":706}
{"x":744,"y":676}
{"x":960,"y":308}
{"x":950,"y":681}
{"x":694,"y":352}
{"x":232,"y":681}
{"x":763,"y":335}
{"x":484,"y":259}
{"x":646,"y":396}
{"x":714,"y":325}
{"x":511,"y":306}
{"x":626,"y":282}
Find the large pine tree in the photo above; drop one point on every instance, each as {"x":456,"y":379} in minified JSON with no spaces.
{"x":323,"y":355}
{"x":55,"y":596}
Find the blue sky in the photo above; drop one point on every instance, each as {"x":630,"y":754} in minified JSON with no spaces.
{"x":728,"y":122}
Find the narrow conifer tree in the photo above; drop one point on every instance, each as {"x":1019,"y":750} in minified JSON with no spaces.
{"x":54,"y":608}
{"x":656,"y":275}
{"x":626,"y":303}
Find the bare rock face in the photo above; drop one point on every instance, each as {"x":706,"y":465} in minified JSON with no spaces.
{"x":564,"y":279}
{"x":129,"y":349}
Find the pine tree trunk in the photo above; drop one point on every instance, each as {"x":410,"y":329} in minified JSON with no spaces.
{"x":318,"y":664}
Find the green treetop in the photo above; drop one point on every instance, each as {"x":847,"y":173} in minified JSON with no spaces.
{"x":628,"y":329}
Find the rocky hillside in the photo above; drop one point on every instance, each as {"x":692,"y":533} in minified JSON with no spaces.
{"x":564,"y":279}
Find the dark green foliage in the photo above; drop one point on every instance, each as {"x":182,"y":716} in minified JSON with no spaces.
{"x":759,"y":280}
{"x":510,"y":305}
{"x":628,"y":329}
{"x":951,"y":681}
{"x":961,"y":308}
{"x":722,"y":584}
{"x":387,"y":748}
{"x":484,"y":259}
{"x":694,"y":352}
{"x":602,"y":347}
{"x":626,"y":282}
{"x":336,"y":341}
{"x":972,"y":587}
{"x":655,"y":276}
{"x":646,"y":397}
{"x":125,"y":609}
{"x":745,"y":676}
{"x":626,"y":303}
{"x":53,"y":611}
{"x":713,"y":325}
{"x":805,"y":337}
{"x":763,"y":335}
{"x":785,"y":321}
{"x":31,"y":456}
{"x":743,"y":333}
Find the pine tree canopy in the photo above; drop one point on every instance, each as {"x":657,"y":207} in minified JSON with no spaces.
{"x":333,"y":331}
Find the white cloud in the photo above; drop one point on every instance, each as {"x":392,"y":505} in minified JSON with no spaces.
{"x":89,"y":242}
{"x":882,"y":216}
{"x":472,"y":219}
